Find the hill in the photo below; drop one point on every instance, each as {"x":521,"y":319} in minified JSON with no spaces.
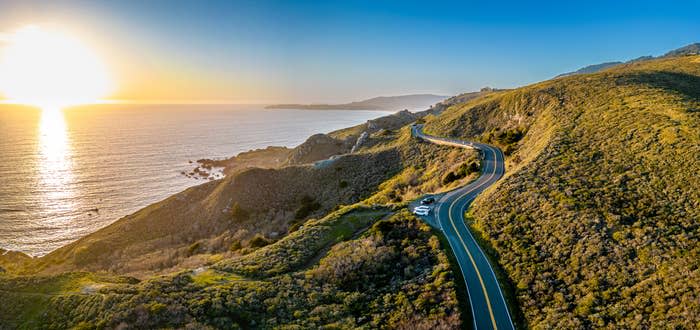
{"x":596,"y":221}
{"x":389,"y":103}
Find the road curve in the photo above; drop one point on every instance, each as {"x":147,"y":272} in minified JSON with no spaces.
{"x":488,"y":305}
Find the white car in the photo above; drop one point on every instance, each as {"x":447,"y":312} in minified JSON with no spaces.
{"x":421,"y":210}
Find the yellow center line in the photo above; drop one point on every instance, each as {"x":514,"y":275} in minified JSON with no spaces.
{"x":471,"y":258}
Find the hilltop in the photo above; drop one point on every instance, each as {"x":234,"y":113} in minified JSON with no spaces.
{"x":692,"y":49}
{"x":591,"y":68}
{"x":390,"y":103}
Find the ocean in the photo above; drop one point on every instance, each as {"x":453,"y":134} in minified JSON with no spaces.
{"x":67,"y":173}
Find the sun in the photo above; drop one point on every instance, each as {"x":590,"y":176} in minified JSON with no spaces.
{"x":50,"y":69}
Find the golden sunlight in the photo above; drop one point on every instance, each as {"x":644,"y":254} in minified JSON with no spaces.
{"x":56,"y":170}
{"x":50,"y":70}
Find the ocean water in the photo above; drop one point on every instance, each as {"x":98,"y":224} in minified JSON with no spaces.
{"x":66,"y":173}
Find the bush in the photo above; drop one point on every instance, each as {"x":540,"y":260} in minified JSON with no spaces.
{"x":308,"y":206}
{"x":238,"y":213}
{"x":194,"y":248}
{"x":236,"y":245}
{"x":461,"y":172}
{"x":258,"y":241}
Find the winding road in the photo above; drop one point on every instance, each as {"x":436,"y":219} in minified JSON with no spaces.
{"x":488,"y":305}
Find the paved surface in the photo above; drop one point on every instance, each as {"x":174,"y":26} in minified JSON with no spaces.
{"x":485,"y":296}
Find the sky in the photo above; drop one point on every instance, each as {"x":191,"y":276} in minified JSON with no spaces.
{"x":338,"y":51}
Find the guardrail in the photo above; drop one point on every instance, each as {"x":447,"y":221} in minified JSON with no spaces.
{"x":443,"y":141}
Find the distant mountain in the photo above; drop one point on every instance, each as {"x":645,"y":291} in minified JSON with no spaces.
{"x":410,"y":102}
{"x":692,"y":49}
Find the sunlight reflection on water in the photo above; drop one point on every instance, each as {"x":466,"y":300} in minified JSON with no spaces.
{"x":55,"y":162}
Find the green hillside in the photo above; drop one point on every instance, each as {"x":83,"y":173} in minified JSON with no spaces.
{"x":405,"y":281}
{"x":596,"y":221}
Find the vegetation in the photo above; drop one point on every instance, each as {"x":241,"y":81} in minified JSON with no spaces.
{"x":405,"y":282}
{"x":238,"y":213}
{"x":308,"y":205}
{"x":596,"y":222}
{"x":421,"y":174}
{"x":461,"y":172}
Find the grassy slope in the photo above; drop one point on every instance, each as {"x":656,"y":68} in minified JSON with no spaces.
{"x":597,"y":219}
{"x":391,"y":275}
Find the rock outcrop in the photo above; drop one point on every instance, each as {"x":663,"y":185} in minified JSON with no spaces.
{"x":363,"y":137}
{"x":318,"y":147}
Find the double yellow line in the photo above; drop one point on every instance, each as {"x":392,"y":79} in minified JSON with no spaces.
{"x":471,"y":258}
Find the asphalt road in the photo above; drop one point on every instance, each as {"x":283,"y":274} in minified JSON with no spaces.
{"x":485,"y":296}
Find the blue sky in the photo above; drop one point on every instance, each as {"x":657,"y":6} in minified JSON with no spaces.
{"x":333,"y":51}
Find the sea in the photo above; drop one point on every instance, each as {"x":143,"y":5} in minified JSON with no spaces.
{"x":65,"y":173}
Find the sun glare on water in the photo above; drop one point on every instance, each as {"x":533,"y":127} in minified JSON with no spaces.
{"x":49,"y":69}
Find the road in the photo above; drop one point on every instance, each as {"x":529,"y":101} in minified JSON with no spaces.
{"x":488,"y":305}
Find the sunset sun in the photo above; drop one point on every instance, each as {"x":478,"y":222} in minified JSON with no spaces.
{"x":50,"y":69}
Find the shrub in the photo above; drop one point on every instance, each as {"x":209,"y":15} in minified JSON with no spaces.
{"x":194,"y":248}
{"x":308,"y":206}
{"x":238,"y":213}
{"x":236,"y":245}
{"x":461,"y":172}
{"x":258,"y":241}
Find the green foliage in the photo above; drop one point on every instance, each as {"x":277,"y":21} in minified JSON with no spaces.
{"x":421,"y":172}
{"x":308,"y":205}
{"x":238,"y":213}
{"x":194,"y":248}
{"x":258,"y":241}
{"x":303,"y":245}
{"x":393,"y":276}
{"x":236,"y":245}
{"x":510,"y":136}
{"x":464,"y":170}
